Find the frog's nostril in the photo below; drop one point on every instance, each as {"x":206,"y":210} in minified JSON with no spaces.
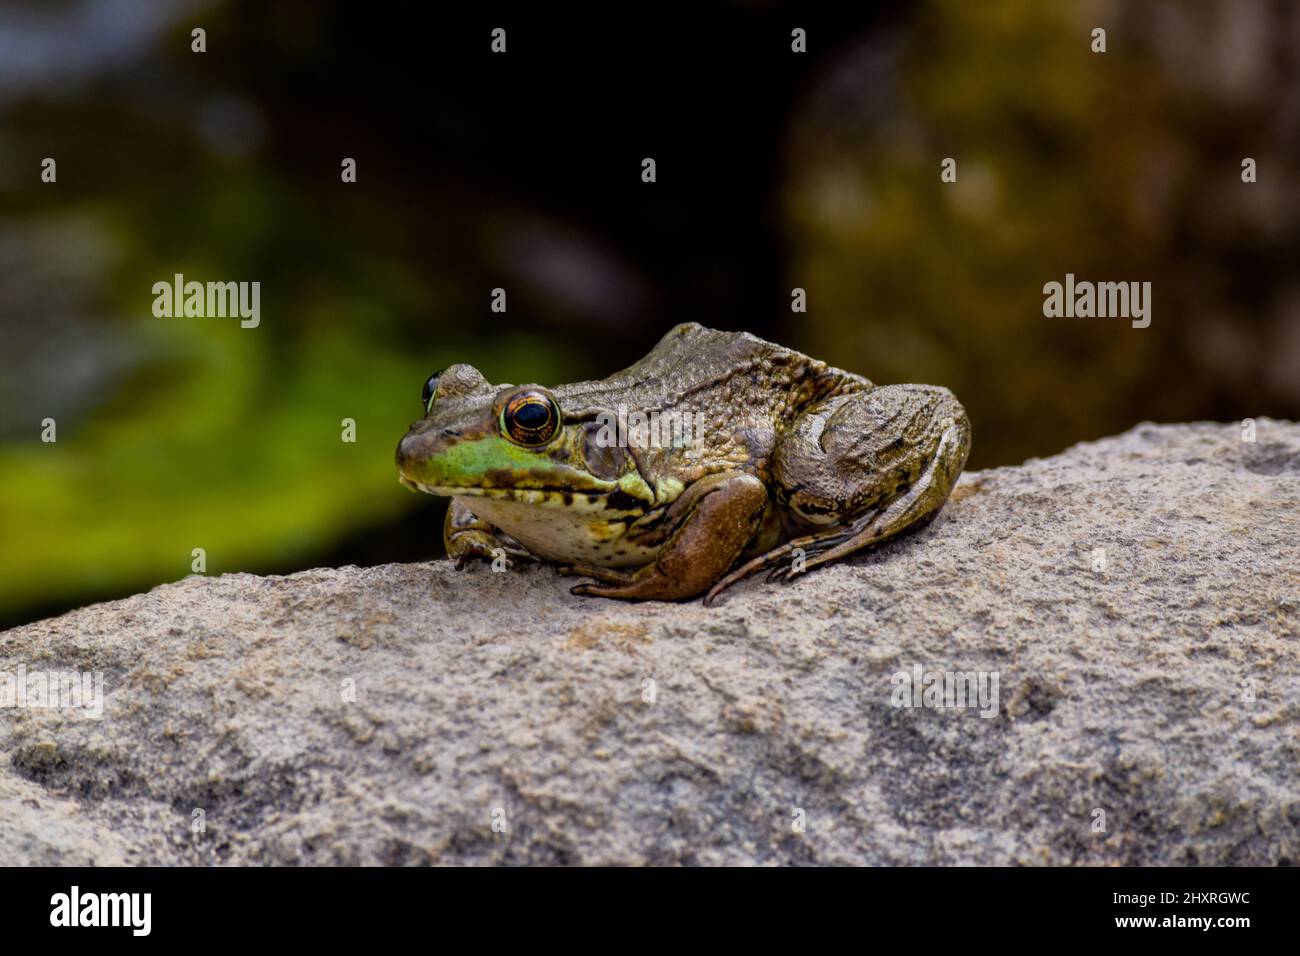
{"x":410,"y":448}
{"x":450,"y":433}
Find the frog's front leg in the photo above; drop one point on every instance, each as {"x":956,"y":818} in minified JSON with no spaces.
{"x":857,"y":469}
{"x":465,"y":535}
{"x":714,"y":521}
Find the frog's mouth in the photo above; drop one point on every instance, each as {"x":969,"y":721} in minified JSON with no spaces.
{"x":554,"y":497}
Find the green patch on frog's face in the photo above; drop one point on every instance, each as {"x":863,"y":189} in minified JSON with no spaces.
{"x":492,"y":466}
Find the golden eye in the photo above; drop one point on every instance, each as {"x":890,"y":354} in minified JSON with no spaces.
{"x":530,"y":418}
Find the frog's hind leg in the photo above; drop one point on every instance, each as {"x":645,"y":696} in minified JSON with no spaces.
{"x":874,"y":463}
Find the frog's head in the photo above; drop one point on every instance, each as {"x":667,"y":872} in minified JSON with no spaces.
{"x":502,"y":441}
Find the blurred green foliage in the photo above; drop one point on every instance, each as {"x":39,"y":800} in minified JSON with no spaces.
{"x":223,"y":441}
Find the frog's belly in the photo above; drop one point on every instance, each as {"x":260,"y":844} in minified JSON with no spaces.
{"x":564,"y":534}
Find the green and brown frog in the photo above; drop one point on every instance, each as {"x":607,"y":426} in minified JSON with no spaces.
{"x":717,"y":456}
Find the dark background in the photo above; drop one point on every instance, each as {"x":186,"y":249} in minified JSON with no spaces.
{"x":523,"y":171}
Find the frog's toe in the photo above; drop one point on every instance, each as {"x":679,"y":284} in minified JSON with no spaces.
{"x":595,"y":571}
{"x":613,"y":588}
{"x":468,"y":558}
{"x":512,"y":555}
{"x":715,"y":592}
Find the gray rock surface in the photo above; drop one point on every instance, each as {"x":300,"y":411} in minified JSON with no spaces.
{"x":1138,"y":598}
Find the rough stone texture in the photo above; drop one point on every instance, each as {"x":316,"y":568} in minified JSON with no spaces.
{"x":1126,"y":689}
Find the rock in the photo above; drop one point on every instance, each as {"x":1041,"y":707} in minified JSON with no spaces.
{"x":1137,"y":598}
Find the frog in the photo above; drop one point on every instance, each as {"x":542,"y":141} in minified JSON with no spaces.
{"x":776,"y":463}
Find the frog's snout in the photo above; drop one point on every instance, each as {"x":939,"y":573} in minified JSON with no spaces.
{"x":422,"y":452}
{"x":416,"y":447}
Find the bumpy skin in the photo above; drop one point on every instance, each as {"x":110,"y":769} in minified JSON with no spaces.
{"x":799,"y":464}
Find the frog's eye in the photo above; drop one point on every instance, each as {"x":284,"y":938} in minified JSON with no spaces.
{"x":430,"y":389}
{"x":530,"y":418}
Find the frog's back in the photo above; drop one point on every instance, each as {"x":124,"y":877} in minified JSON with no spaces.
{"x":694,"y":367}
